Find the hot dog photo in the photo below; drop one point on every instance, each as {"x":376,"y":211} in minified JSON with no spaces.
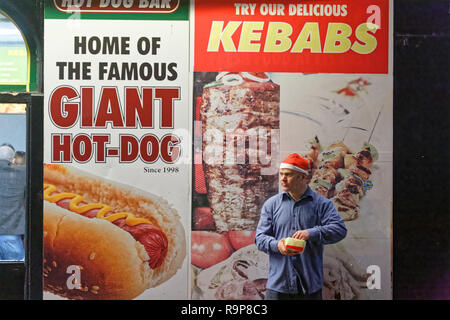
{"x":120,"y":240}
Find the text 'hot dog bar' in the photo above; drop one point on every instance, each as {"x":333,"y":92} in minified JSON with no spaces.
{"x":109,"y":106}
{"x":122,"y":6}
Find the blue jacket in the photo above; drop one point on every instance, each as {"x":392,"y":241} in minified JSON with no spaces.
{"x":12,"y":198}
{"x":281,"y":217}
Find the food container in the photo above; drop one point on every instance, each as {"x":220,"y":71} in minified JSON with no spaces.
{"x":295,"y":244}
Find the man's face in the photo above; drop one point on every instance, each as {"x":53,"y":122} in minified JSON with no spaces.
{"x":290,"y":179}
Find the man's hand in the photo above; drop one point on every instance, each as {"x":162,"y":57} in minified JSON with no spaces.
{"x":286,"y":251}
{"x":301,"y":234}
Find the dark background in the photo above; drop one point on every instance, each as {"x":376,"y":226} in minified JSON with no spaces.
{"x":421,"y":215}
{"x":421,"y":212}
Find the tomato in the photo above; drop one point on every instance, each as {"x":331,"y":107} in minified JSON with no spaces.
{"x":347,"y":91}
{"x":255,"y":76}
{"x":203,"y":219}
{"x":241,"y":238}
{"x":209,"y":248}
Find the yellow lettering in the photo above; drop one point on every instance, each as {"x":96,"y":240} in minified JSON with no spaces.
{"x":248,"y":35}
{"x":277,"y":39}
{"x":337,"y":40}
{"x":309,"y":31}
{"x":219,"y":34}
{"x":363,"y":35}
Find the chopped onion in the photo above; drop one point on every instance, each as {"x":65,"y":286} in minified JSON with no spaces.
{"x":232,"y":79}
{"x":222,"y":74}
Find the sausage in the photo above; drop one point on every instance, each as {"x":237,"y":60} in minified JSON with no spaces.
{"x":151,"y":237}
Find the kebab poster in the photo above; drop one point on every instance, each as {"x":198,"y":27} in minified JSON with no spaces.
{"x":251,"y":110}
{"x":116,"y":178}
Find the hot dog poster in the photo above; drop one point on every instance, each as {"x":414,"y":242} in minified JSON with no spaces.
{"x":273,"y":78}
{"x":117,"y":149}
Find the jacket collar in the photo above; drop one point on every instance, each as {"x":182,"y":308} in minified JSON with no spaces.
{"x":308,"y":194}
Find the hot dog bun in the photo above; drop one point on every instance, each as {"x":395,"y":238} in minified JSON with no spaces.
{"x":113,"y":264}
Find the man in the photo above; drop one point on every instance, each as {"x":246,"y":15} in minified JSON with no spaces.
{"x":12,"y":206}
{"x":300,"y":213}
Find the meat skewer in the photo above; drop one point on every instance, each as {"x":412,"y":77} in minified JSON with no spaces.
{"x":350,"y":189}
{"x":326,"y":176}
{"x":341,"y":176}
{"x":347,"y":194}
{"x":234,"y":106}
{"x":323,"y":180}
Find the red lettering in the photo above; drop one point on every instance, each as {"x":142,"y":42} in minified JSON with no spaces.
{"x":82,"y":148}
{"x":149,"y":141}
{"x":169,"y":151}
{"x":167,"y":95}
{"x":87,"y":103}
{"x":63,"y":114}
{"x":142,"y":108}
{"x":61,"y":146}
{"x":109,"y":109}
{"x":138,"y":107}
{"x":129,"y":148}
{"x":100,"y":145}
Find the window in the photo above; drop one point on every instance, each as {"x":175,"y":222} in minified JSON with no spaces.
{"x":14,"y":62}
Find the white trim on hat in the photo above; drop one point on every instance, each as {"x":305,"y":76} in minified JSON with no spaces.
{"x":291,"y":166}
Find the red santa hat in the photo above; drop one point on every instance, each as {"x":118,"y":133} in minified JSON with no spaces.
{"x":295,"y":162}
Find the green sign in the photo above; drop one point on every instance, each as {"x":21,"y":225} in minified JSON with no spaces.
{"x":13,"y":65}
{"x":13,"y":57}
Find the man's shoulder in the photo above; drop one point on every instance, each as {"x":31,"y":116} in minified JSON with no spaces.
{"x":274,"y":199}
{"x":319,"y":198}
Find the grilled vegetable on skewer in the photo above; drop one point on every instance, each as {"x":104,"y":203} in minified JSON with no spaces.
{"x":341,"y":176}
{"x":350,"y":189}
